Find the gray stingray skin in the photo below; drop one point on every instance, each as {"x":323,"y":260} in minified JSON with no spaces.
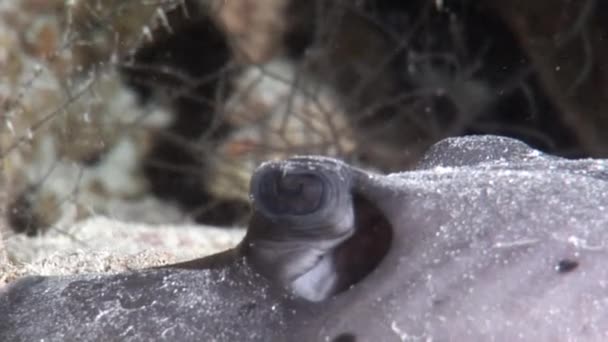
{"x":492,"y":241}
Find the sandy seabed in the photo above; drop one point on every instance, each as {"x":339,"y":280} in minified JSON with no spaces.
{"x":103,"y":245}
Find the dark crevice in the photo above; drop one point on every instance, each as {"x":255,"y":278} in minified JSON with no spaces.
{"x":345,"y":337}
{"x":363,"y":252}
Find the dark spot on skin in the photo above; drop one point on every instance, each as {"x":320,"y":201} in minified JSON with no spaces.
{"x":345,"y":337}
{"x":566,"y":265}
{"x":438,"y":302}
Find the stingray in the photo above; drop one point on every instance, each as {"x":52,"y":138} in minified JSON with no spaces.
{"x":487,"y":239}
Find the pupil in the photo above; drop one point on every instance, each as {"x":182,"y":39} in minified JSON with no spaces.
{"x":290,"y":185}
{"x":292,"y":194}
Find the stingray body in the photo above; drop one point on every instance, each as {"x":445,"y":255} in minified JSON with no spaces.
{"x":488,"y":240}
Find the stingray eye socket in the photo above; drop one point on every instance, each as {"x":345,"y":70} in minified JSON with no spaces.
{"x":291,"y":194}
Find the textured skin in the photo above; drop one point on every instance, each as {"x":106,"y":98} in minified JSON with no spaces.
{"x":479,"y":251}
{"x":491,"y":241}
{"x":225,"y":304}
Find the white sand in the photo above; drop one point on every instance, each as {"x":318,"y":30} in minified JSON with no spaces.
{"x":102,"y":245}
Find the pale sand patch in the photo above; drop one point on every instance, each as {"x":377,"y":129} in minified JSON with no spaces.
{"x":102,"y":245}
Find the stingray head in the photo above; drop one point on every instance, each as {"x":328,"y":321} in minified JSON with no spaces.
{"x":310,"y":232}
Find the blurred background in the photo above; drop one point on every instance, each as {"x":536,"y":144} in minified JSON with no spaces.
{"x":158,"y":111}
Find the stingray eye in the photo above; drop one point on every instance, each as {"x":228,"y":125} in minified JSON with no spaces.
{"x":292,"y":193}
